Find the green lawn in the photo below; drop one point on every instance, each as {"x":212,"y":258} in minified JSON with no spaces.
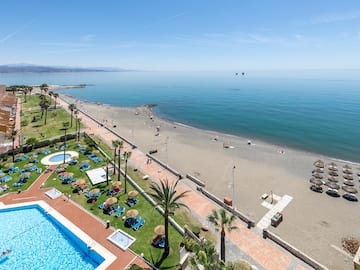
{"x":32,"y":125}
{"x":144,"y":235}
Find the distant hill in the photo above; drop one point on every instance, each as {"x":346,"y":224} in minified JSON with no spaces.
{"x":43,"y":69}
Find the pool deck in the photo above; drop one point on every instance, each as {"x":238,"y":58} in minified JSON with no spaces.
{"x":88,"y":223}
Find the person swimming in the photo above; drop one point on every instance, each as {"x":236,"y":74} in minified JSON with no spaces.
{"x":5,"y":252}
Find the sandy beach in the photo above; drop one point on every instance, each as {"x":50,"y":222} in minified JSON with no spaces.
{"x":313,"y":222}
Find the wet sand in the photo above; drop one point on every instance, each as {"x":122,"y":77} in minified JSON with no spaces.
{"x":314,"y":223}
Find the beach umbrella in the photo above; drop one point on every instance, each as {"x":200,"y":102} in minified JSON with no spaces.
{"x":332,"y":185}
{"x":318,"y":175}
{"x":226,"y":144}
{"x":8,"y":165}
{"x":332,"y":173}
{"x":28,"y":165}
{"x":319,"y":163}
{"x":347,"y":171}
{"x":95,"y":151}
{"x":159,"y":230}
{"x":133,"y":193}
{"x":116,"y":184}
{"x":349,"y":189}
{"x":333,"y":179}
{"x":316,"y":181}
{"x":349,"y":183}
{"x":333,"y":168}
{"x":332,"y":164}
{"x":80,"y":182}
{"x":132,"y":213}
{"x":348,"y":177}
{"x":347,"y":166}
{"x":111,"y":201}
{"x":318,"y":170}
{"x":85,"y":161}
{"x":94,"y":191}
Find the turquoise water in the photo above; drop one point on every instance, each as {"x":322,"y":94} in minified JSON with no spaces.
{"x":316,"y":111}
{"x":38,"y":241}
{"x":59,"y":157}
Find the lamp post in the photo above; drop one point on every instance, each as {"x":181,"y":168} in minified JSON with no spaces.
{"x":233,"y":186}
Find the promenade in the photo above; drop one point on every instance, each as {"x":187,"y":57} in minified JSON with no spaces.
{"x":241,"y":244}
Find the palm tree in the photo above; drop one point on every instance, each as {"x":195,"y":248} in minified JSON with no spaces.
{"x":43,"y":87}
{"x":221,"y":222}
{"x":166,"y":196}
{"x":72,"y":108}
{"x":65,"y":128}
{"x":51,"y":93}
{"x":120,"y":145}
{"x":115,"y":144}
{"x":30,"y":88}
{"x":205,"y":257}
{"x":13,"y":136}
{"x":44,"y":104}
{"x":55,"y":95}
{"x":127,"y":155}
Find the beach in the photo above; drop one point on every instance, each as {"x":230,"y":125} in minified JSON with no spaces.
{"x":314,"y":223}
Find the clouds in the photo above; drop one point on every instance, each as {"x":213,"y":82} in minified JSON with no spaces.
{"x":14,"y":33}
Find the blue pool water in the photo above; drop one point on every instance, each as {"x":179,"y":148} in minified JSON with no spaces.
{"x":39,"y":241}
{"x":59,"y":157}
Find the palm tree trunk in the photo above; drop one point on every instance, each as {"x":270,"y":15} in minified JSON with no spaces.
{"x":119,"y":165}
{"x":126,"y":161}
{"x":222,"y":245}
{"x":167,"y":247}
{"x":13,"y":149}
{"x":64,"y":145}
{"x":71,"y":119}
{"x":45,"y":117}
{"x":114,"y":160}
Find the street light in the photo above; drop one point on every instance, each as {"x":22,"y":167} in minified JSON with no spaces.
{"x":233,"y":186}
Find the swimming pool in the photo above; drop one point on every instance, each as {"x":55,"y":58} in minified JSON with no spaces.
{"x":121,"y":239}
{"x":59,"y":157}
{"x":38,"y":240}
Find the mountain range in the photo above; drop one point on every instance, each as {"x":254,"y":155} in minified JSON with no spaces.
{"x":20,"y":68}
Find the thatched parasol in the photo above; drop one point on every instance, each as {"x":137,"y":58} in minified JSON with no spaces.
{"x":132,"y":213}
{"x":74,"y":157}
{"x":85,"y":161}
{"x":63,"y":165}
{"x":346,"y":166}
{"x":349,"y":183}
{"x":111,"y":201}
{"x":347,"y":171}
{"x":116,"y":184}
{"x":28,"y":165}
{"x":333,"y":179}
{"x":94,"y":191}
{"x":349,"y":189}
{"x":80,"y":182}
{"x":319,"y":163}
{"x":332,"y":164}
{"x":318,"y":170}
{"x":348,"y":177}
{"x":316,"y":181}
{"x":133,"y":193}
{"x":2,"y":175}
{"x":317,"y":175}
{"x":332,"y":173}
{"x":95,"y":151}
{"x":8,"y":165}
{"x":332,"y":185}
{"x":159,"y":230}
{"x":332,"y":168}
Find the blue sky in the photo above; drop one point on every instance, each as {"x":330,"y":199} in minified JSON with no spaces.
{"x":182,"y":34}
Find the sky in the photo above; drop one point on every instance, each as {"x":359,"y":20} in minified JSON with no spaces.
{"x":182,"y":34}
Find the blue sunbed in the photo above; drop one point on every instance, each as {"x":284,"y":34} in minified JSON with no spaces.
{"x":138,"y":224}
{"x":120,"y":211}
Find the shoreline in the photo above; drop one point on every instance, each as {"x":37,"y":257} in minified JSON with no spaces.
{"x":244,"y":173}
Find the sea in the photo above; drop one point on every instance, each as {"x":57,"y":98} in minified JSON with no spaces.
{"x":316,"y":111}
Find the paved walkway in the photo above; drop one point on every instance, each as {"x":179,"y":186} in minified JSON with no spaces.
{"x":264,"y":254}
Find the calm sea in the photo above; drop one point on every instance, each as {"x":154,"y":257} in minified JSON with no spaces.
{"x":313,"y":111}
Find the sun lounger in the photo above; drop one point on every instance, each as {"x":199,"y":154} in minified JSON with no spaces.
{"x":5,"y":178}
{"x":17,"y":184}
{"x":131,"y":202}
{"x":113,"y":210}
{"x":73,"y":162}
{"x":120,"y":211}
{"x":138,"y":224}
{"x":101,"y":205}
{"x":13,"y":169}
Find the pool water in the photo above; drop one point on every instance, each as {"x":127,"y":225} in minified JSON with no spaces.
{"x":59,"y":157}
{"x":39,"y":241}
